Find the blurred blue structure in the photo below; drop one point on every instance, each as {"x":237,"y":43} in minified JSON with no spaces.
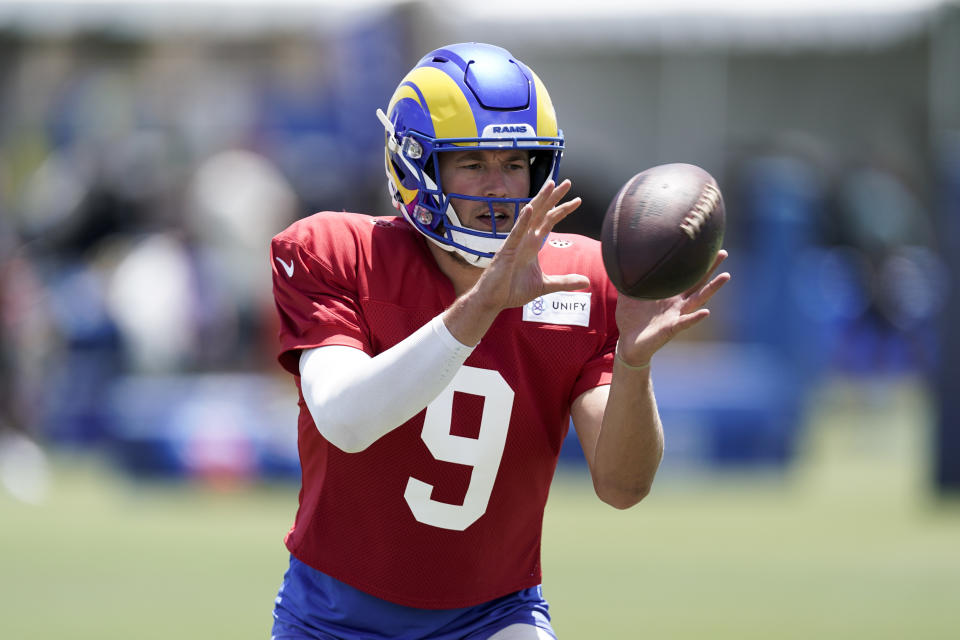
{"x":728,"y":405}
{"x":777,"y":303}
{"x":946,"y":440}
{"x":216,"y":427}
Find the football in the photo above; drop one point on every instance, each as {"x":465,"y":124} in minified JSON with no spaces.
{"x":662,"y":231}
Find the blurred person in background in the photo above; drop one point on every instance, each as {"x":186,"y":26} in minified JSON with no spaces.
{"x":880,"y":218}
{"x":25,"y":340}
{"x":440,"y":357}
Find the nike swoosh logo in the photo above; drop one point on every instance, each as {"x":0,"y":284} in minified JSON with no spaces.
{"x":286,"y":267}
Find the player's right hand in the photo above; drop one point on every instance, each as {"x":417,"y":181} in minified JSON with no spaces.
{"x":514,"y":277}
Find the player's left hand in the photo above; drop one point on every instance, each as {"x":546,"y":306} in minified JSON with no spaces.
{"x":647,"y":325}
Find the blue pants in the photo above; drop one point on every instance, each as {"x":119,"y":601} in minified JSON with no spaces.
{"x":313,"y":606}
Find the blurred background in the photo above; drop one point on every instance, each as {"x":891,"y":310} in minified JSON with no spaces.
{"x":150,"y":150}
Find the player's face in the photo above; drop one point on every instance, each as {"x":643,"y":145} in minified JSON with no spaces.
{"x":493,"y":173}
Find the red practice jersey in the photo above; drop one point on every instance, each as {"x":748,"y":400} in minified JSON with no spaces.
{"x":446,"y":510}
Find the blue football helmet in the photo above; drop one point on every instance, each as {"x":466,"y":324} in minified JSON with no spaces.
{"x":461,"y":97}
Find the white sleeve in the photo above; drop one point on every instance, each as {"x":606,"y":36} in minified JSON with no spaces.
{"x":355,"y":399}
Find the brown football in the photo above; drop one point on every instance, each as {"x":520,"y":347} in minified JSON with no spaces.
{"x":662,"y":231}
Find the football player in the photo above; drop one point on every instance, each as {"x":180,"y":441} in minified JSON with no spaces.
{"x":440,"y":355}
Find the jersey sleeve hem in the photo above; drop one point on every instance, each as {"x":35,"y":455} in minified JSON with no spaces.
{"x":289,"y":358}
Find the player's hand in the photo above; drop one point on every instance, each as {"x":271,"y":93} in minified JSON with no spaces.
{"x":514,"y":277}
{"x":647,"y":325}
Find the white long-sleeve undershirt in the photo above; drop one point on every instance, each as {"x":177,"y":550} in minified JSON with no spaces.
{"x":355,"y":399}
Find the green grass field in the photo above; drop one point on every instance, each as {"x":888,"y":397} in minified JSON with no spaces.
{"x":849,"y":543}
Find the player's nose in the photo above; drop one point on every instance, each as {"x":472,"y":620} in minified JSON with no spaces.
{"x":495,"y":185}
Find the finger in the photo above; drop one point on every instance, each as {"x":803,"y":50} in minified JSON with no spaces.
{"x":560,"y":212}
{"x":568,"y":282}
{"x":543,"y":194}
{"x":721,"y":256}
{"x":520,"y":228}
{"x":557,"y":195}
{"x":688,"y":320}
{"x":703,"y":296}
{"x":540,"y":219}
{"x":549,"y":195}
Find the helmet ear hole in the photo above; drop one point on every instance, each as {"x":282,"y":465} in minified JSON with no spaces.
{"x":401,"y":174}
{"x":541,"y":169}
{"x":430,"y":167}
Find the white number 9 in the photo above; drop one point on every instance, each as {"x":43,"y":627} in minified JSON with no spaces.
{"x":482,"y":453}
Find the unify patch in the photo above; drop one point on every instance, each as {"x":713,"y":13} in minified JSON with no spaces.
{"x":562,"y":307}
